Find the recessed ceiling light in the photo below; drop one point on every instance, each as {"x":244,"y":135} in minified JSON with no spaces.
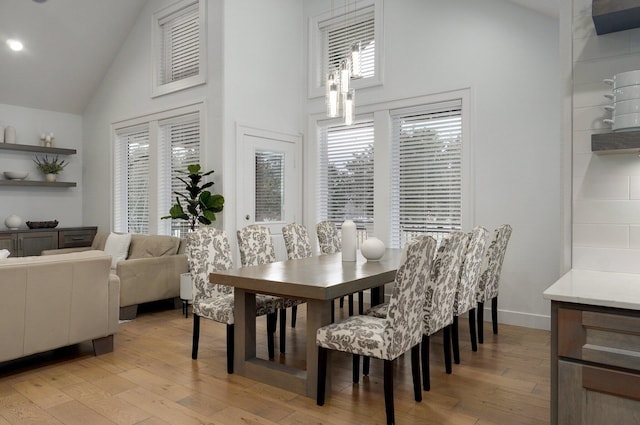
{"x":15,"y":45}
{"x":39,"y":1}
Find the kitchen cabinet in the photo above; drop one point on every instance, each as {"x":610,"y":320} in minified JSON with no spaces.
{"x":36,"y":149}
{"x":595,"y":348}
{"x":22,"y":243}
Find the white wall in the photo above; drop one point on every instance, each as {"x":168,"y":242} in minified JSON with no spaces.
{"x":509,"y":58}
{"x":42,"y":203}
{"x":606,"y":188}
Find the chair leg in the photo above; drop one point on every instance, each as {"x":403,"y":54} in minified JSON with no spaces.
{"x":455,"y":341}
{"x":294,"y":315}
{"x":415,"y":372}
{"x":446,"y":335}
{"x":480,"y":323}
{"x":361,"y":303}
{"x":230,"y":347}
{"x":283,"y":330}
{"x":341,"y":302}
{"x":426,"y":382}
{"x":350,"y":304}
{"x":356,"y":368}
{"x":196,"y":337}
{"x":494,"y":314}
{"x":472,"y":329}
{"x":333,"y":312}
{"x":366,"y":362}
{"x":388,"y":391}
{"x":322,"y":375}
{"x":272,"y":318}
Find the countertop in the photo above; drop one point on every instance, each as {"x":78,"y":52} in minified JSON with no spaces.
{"x":607,"y":289}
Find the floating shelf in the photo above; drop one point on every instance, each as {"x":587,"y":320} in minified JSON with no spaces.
{"x":615,"y":15}
{"x":620,"y":142}
{"x":33,"y":183}
{"x":34,"y":148}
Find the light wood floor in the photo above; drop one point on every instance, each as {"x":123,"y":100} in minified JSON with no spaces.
{"x":150,"y":379}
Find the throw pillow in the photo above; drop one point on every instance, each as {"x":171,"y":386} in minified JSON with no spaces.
{"x":4,"y":253}
{"x":117,"y":245}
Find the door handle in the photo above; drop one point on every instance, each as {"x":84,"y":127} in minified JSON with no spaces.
{"x":247,"y":217}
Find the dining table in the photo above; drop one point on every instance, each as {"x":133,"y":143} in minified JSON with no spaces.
{"x":317,"y":280}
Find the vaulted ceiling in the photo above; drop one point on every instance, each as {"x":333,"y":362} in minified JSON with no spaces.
{"x":70,"y":44}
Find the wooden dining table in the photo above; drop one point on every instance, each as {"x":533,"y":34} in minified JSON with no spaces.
{"x":317,"y":280}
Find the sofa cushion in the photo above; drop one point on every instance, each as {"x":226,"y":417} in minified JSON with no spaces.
{"x":149,"y":246}
{"x":118,"y":247}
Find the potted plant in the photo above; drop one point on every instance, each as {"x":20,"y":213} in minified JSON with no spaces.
{"x":201,"y":205}
{"x":50,"y":167}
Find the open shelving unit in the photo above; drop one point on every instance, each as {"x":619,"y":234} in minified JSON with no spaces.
{"x":36,"y":149}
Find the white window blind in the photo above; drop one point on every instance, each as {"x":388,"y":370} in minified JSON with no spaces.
{"x":346,"y":174}
{"x":180,"y":45}
{"x":426,"y":171}
{"x":131,"y":188}
{"x":341,"y":32}
{"x":269,"y":191}
{"x":179,"y":147}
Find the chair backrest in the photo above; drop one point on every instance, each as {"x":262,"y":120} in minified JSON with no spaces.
{"x":404,"y":313}
{"x":207,"y":251}
{"x":255,"y":245}
{"x":492,"y":264}
{"x":328,"y":237}
{"x":296,"y":240}
{"x":471,"y":269}
{"x":443,"y":282}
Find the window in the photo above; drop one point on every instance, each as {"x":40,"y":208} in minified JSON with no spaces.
{"x":269,"y":186}
{"x":333,"y":34}
{"x":426,"y":170}
{"x":149,"y":154}
{"x":346,"y":174}
{"x":179,"y":47}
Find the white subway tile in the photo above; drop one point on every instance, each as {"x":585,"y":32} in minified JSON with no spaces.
{"x":590,"y":117}
{"x":591,"y":94}
{"x":588,"y":211}
{"x":633,"y":36}
{"x":601,"y":235}
{"x":634,"y":237}
{"x":606,"y":259}
{"x":598,"y":164}
{"x":600,"y":46}
{"x":583,"y":25}
{"x":601,"y":187}
{"x":634,"y":187}
{"x":581,"y":8}
{"x":596,"y":70}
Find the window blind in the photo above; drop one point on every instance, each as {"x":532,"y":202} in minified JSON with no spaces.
{"x":341,"y":32}
{"x":269,"y":191}
{"x":180,"y":45}
{"x":426,"y":171}
{"x":179,"y":147}
{"x":346,"y":174}
{"x":131,"y":188}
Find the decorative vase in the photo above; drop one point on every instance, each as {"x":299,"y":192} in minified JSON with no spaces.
{"x":13,"y":222}
{"x":50,"y":177}
{"x":372,"y":249}
{"x":349,"y":241}
{"x":10,"y":134}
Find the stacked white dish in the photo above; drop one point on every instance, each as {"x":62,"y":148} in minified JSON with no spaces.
{"x":625,"y":94}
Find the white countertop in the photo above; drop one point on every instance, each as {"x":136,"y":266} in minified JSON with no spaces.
{"x":608,"y":289}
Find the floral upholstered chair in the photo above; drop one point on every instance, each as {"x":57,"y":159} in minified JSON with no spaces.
{"x":389,"y":337}
{"x":256,"y":248}
{"x":207,"y":251}
{"x":440,"y":294}
{"x":296,"y":241}
{"x":465,"y":300}
{"x":490,"y":277}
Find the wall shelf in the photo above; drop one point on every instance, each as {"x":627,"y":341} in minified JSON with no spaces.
{"x":615,"y":15}
{"x":620,"y":142}
{"x":36,"y":149}
{"x":33,"y":183}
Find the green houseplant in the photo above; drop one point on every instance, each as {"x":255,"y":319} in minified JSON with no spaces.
{"x":50,"y":166}
{"x":201,"y":205}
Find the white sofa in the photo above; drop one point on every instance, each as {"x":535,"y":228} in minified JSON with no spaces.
{"x":48,"y":302}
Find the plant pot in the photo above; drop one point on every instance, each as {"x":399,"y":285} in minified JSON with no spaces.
{"x":50,"y":177}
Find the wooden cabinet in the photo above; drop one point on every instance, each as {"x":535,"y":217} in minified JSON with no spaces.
{"x":22,"y":243}
{"x":36,"y":149}
{"x":595,"y":367}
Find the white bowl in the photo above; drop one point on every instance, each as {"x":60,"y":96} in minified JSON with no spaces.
{"x":15,"y":175}
{"x":624,"y":79}
{"x":626,"y":122}
{"x":624,"y":107}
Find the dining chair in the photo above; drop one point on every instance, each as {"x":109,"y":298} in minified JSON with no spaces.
{"x":465,"y":300}
{"x":330,"y":243}
{"x":490,"y":277}
{"x":389,"y":337}
{"x":207,"y":251}
{"x":298,"y":245}
{"x":256,"y":248}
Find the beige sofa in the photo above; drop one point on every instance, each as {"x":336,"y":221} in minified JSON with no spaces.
{"x":151,"y":271}
{"x":47,"y":303}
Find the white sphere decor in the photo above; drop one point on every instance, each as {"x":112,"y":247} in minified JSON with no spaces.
{"x":13,"y":222}
{"x":372,"y":249}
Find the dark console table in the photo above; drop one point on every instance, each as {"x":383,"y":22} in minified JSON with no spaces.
{"x":25,"y":242}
